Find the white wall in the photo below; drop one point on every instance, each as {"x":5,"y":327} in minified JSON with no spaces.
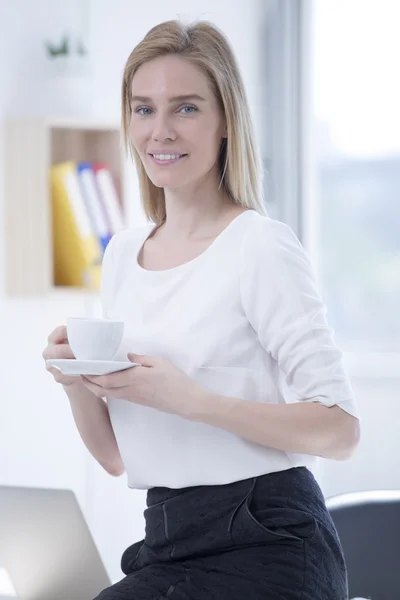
{"x":39,"y":444}
{"x":375,"y":465}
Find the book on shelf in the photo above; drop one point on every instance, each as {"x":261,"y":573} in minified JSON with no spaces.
{"x":109,"y":197}
{"x":93,"y":202}
{"x":77,"y":247}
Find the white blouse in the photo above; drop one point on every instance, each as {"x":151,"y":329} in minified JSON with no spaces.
{"x":245,"y":320}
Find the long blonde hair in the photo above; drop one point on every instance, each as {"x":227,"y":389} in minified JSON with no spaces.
{"x":239,"y":162}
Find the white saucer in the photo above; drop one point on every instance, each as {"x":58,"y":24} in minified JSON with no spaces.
{"x":70,"y":366}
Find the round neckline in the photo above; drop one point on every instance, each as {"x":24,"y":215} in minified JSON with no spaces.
{"x":192,"y":261}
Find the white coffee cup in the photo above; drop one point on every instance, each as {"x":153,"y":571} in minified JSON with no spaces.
{"x":94,"y":339}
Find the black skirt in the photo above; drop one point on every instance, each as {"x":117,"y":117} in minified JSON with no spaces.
{"x":265,"y":538}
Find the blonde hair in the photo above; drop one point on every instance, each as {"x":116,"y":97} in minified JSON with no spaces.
{"x":239,"y":163}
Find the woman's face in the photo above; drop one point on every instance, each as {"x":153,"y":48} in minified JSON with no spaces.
{"x":176,"y":124}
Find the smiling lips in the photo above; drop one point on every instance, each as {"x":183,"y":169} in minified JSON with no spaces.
{"x":167,"y":159}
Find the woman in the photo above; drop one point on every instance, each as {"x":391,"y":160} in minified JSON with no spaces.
{"x":240,"y":383}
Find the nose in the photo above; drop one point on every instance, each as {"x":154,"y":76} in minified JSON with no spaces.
{"x":163,"y":129}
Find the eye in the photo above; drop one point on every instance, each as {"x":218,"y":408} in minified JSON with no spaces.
{"x":187,"y":109}
{"x":141,"y":110}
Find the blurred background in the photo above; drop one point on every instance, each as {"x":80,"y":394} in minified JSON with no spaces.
{"x":324,"y":94}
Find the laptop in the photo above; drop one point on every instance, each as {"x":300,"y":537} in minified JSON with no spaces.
{"x":46,"y":546}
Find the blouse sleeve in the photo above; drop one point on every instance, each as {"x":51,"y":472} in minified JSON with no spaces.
{"x":282,"y":304}
{"x":107,"y":278}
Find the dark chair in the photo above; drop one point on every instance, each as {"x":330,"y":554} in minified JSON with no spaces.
{"x":368,"y":524}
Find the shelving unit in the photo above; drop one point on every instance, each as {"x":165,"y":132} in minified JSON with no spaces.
{"x":31,"y":147}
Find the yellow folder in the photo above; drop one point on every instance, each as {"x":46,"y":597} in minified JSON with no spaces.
{"x":77,"y":251}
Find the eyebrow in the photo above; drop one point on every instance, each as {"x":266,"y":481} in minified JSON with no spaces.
{"x":182,"y":98}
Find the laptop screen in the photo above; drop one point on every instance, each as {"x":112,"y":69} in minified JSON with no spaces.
{"x":46,"y":548}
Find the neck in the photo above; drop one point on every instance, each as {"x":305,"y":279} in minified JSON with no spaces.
{"x":193,"y":213}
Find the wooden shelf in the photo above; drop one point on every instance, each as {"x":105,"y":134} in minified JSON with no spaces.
{"x":31,"y":147}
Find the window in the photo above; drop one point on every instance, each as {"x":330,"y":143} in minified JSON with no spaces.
{"x":356,"y":100}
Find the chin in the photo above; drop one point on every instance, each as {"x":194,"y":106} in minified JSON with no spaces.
{"x":167,"y":182}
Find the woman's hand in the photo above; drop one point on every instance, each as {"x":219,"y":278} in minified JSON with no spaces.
{"x":157,"y":383}
{"x":58,"y":347}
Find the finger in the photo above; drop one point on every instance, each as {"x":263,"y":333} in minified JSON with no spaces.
{"x":58,"y":335}
{"x":97,"y":390}
{"x":57,"y":351}
{"x":113,"y":380}
{"x":144,"y":360}
{"x":55,"y":372}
